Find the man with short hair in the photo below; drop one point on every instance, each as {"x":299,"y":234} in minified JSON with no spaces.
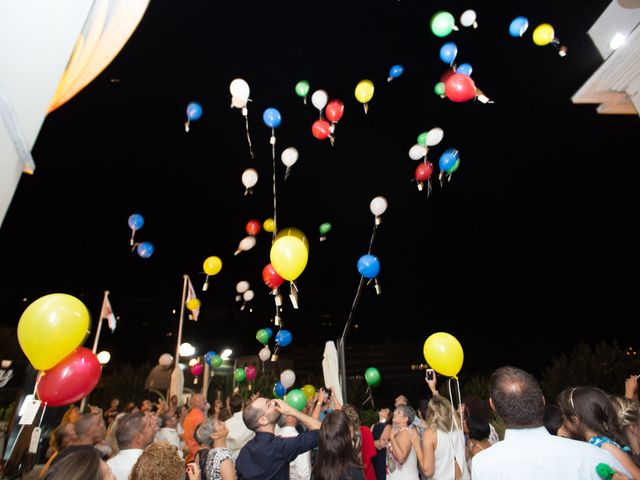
{"x":239,"y":434}
{"x":135,"y":431}
{"x":168,"y":433}
{"x":195,"y":417}
{"x":267,"y":457}
{"x":300,"y":467}
{"x":528,"y":451}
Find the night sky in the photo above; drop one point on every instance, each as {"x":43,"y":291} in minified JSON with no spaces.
{"x":525,"y":252}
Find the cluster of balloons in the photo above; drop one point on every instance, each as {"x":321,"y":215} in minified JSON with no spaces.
{"x":213,"y":359}
{"x":333,"y":112}
{"x":143,"y":249}
{"x":211,"y":266}
{"x":543,"y":34}
{"x":50,"y":332}
{"x":449,"y":162}
{"x":442,"y":23}
{"x":444,"y":354}
{"x":194,"y":112}
{"x":244,"y":293}
{"x":419,"y":151}
{"x":248,"y":373}
{"x":364,"y":93}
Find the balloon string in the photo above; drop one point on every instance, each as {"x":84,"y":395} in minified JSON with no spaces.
{"x":133,"y":233}
{"x":275,"y":203}
{"x":373,"y":236}
{"x":246,"y":126}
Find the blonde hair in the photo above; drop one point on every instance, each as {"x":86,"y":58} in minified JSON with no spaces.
{"x":628,"y":411}
{"x":440,"y":414}
{"x":159,"y":461}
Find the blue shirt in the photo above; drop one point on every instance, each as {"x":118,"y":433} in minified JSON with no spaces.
{"x":267,"y":457}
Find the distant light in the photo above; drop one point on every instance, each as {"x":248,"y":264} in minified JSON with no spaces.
{"x":186,"y":350}
{"x":193,"y":361}
{"x":6,"y":363}
{"x":25,"y":299}
{"x":617,"y":40}
{"x":226,"y":354}
{"x":104,"y":357}
{"x":173,"y":311}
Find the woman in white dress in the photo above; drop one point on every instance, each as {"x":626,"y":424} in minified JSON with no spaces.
{"x":402,"y":461}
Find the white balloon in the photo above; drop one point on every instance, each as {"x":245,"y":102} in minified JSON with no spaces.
{"x":239,"y":89}
{"x":165,"y":360}
{"x":434,"y":136}
{"x":242,"y":286}
{"x":247,"y":243}
{"x":287,"y":378}
{"x":468,"y":18}
{"x":249,"y":177}
{"x":378,"y":206}
{"x":319,"y":99}
{"x":238,"y":102}
{"x":247,"y":296}
{"x":417,"y":152}
{"x":289,"y":156}
{"x":264,"y":354}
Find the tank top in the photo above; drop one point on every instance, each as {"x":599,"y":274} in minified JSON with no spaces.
{"x":450,"y":448}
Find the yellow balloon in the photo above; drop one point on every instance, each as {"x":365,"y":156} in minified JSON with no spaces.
{"x":309,"y":391}
{"x":212,"y":265}
{"x":51,"y":328}
{"x":269,"y":225}
{"x":193,"y":304}
{"x":289,"y":253}
{"x":364,"y":91}
{"x":543,"y":34}
{"x":443,"y":353}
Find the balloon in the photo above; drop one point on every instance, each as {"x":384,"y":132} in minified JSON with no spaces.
{"x":145,"y":249}
{"x":264,"y":354}
{"x":296,"y":399}
{"x":439,"y":88}
{"x":238,"y":102}
{"x":269,"y":331}
{"x":518,"y":26}
{"x":369,"y":266}
{"x":253,"y":227}
{"x":216,"y":361}
{"x":239,"y":89}
{"x":289,"y":253}
{"x":289,"y":156}
{"x":272,"y":118}
{"x":372,"y":376}
{"x":271,"y":278}
{"x":334,"y":110}
{"x":242,"y":286}
{"x":468,"y":18}
{"x":442,"y":23}
{"x":209,"y":356}
{"x":448,"y":52}
{"x":465,"y":69}
{"x":250,"y":372}
{"x":249,"y":177}
{"x":136,"y":221}
{"x":309,"y":391}
{"x":417,"y":152}
{"x":455,"y":166}
{"x":422,"y":139}
{"x":197,"y":369}
{"x":543,"y":34}
{"x":321,"y":129}
{"x":284,"y":338}
{"x":248,"y":295}
{"x":269,"y":225}
{"x":325,"y":228}
{"x":194,"y":111}
{"x":71,"y":379}
{"x":364,"y":91}
{"x":460,"y":88}
{"x":247,"y":243}
{"x":302,"y":88}
{"x":319,"y":99}
{"x":378,"y":206}
{"x":165,"y":360}
{"x":287,"y":378}
{"x":279,"y":390}
{"x":212,"y":265}
{"x":395,"y":72}
{"x":434,"y":136}
{"x":51,"y":328}
{"x":239,"y":375}
{"x":448,"y":159}
{"x":423,"y":171}
{"x":262,"y":336}
{"x":193,"y":304}
{"x":443,"y":353}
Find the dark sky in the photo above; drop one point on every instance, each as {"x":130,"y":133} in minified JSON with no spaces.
{"x":525,"y":252}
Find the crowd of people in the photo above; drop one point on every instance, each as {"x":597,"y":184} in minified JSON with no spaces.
{"x":585,"y":434}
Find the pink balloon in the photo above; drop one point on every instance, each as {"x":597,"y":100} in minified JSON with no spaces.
{"x":197,"y":369}
{"x":251,"y":372}
{"x":72,"y":379}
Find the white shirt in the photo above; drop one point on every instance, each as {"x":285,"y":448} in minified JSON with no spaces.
{"x":238,"y":435}
{"x":534,"y":454}
{"x":122,"y":464}
{"x":169,"y":435}
{"x":300,"y":468}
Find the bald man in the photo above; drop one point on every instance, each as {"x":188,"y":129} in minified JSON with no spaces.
{"x":194,"y":418}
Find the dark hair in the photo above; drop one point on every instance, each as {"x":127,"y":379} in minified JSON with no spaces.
{"x":235,"y":403}
{"x":128,"y":426}
{"x":423,"y":406}
{"x":79,"y":464}
{"x":250,"y":416}
{"x":517,"y":398}
{"x":552,"y":419}
{"x":336,"y":454}
{"x":477,"y":407}
{"x":478,"y":427}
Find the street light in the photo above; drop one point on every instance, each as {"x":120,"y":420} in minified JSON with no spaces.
{"x":104,"y":357}
{"x":186,"y":350}
{"x":226,"y":354}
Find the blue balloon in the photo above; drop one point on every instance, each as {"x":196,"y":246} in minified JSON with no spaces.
{"x":369,"y":266}
{"x":194,"y":111}
{"x":396,"y":71}
{"x":518,"y":26}
{"x":272,"y":117}
{"x":448,"y":52}
{"x":145,"y":249}
{"x":465,"y":69}
{"x":269,"y":332}
{"x":448,"y":159}
{"x":284,"y":338}
{"x":209,"y":356}
{"x":279,"y":390}
{"x":136,"y":221}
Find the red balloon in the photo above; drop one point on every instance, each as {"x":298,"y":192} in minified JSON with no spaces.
{"x":460,"y":88}
{"x":72,"y":379}
{"x":321,"y":129}
{"x":447,"y":74}
{"x":197,"y":369}
{"x":334,"y":110}
{"x":423,"y":171}
{"x":251,"y":372}
{"x":271,"y":278}
{"x":253,"y":227}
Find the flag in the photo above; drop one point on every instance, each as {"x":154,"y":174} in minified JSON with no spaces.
{"x":107,"y":312}
{"x":191,"y":295}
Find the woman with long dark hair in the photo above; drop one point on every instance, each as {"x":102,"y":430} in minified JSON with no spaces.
{"x":336,"y":459}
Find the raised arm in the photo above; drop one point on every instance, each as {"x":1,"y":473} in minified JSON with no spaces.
{"x":309,"y":422}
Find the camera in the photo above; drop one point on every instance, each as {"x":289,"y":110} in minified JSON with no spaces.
{"x":430,"y":374}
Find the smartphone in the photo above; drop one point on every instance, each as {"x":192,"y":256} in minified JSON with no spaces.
{"x":327,"y":393}
{"x":430,"y":374}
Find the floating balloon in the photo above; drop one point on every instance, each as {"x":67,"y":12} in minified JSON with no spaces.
{"x":324,"y":229}
{"x":424,"y":171}
{"x":246,"y":244}
{"x":302,"y":90}
{"x":284,"y":338}
{"x":364,"y":93}
{"x":444,"y":354}
{"x":460,"y":88}
{"x":249,"y":179}
{"x":442,"y":24}
{"x":242,"y":286}
{"x":319,"y":99}
{"x":334,"y":110}
{"x":165,"y":360}
{"x":194,"y":111}
{"x":272,"y":118}
{"x":448,"y":159}
{"x":296,"y":399}
{"x":434,"y":136}
{"x":372,"y":376}
{"x":309,"y":391}
{"x":212,"y":265}
{"x":543,"y":35}
{"x":145,"y":249}
{"x":369,"y":266}
{"x":51,"y":328}
{"x":279,"y":390}
{"x":209,"y":356}
{"x":270,"y":277}
{"x":70,"y":380}
{"x":287,"y":378}
{"x":248,"y":295}
{"x":264,"y":354}
{"x":269,"y":225}
{"x":378,"y":206}
{"x":289,"y":253}
{"x":289,"y":156}
{"x":455,"y":166}
{"x":448,"y":52}
{"x":239,"y":375}
{"x":136,"y":221}
{"x":422,"y":139}
{"x":417,"y":152}
{"x":193,"y":304}
{"x":468,"y":18}
{"x":465,"y":69}
{"x":518,"y":26}
{"x":321,"y":129}
{"x":239,"y":89}
{"x":395,"y":72}
{"x":262,"y":336}
{"x":250,"y":372}
{"x":269,"y":332}
{"x":253,"y":227}
{"x":439,"y":89}
{"x":216,"y":362}
{"x":197,"y":369}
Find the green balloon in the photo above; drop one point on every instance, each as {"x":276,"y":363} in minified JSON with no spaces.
{"x":239,"y":375}
{"x":372,"y":376}
{"x":422,"y":139}
{"x":262,"y":336}
{"x":439,"y":88}
{"x":455,"y":167}
{"x":296,"y":398}
{"x":302,"y":88}
{"x":216,"y":361}
{"x":325,"y":228}
{"x":442,"y":24}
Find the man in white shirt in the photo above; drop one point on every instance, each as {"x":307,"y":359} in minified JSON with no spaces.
{"x":300,"y":468}
{"x":168,"y":432}
{"x":239,"y":434}
{"x":135,"y":431}
{"x":528,"y":451}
